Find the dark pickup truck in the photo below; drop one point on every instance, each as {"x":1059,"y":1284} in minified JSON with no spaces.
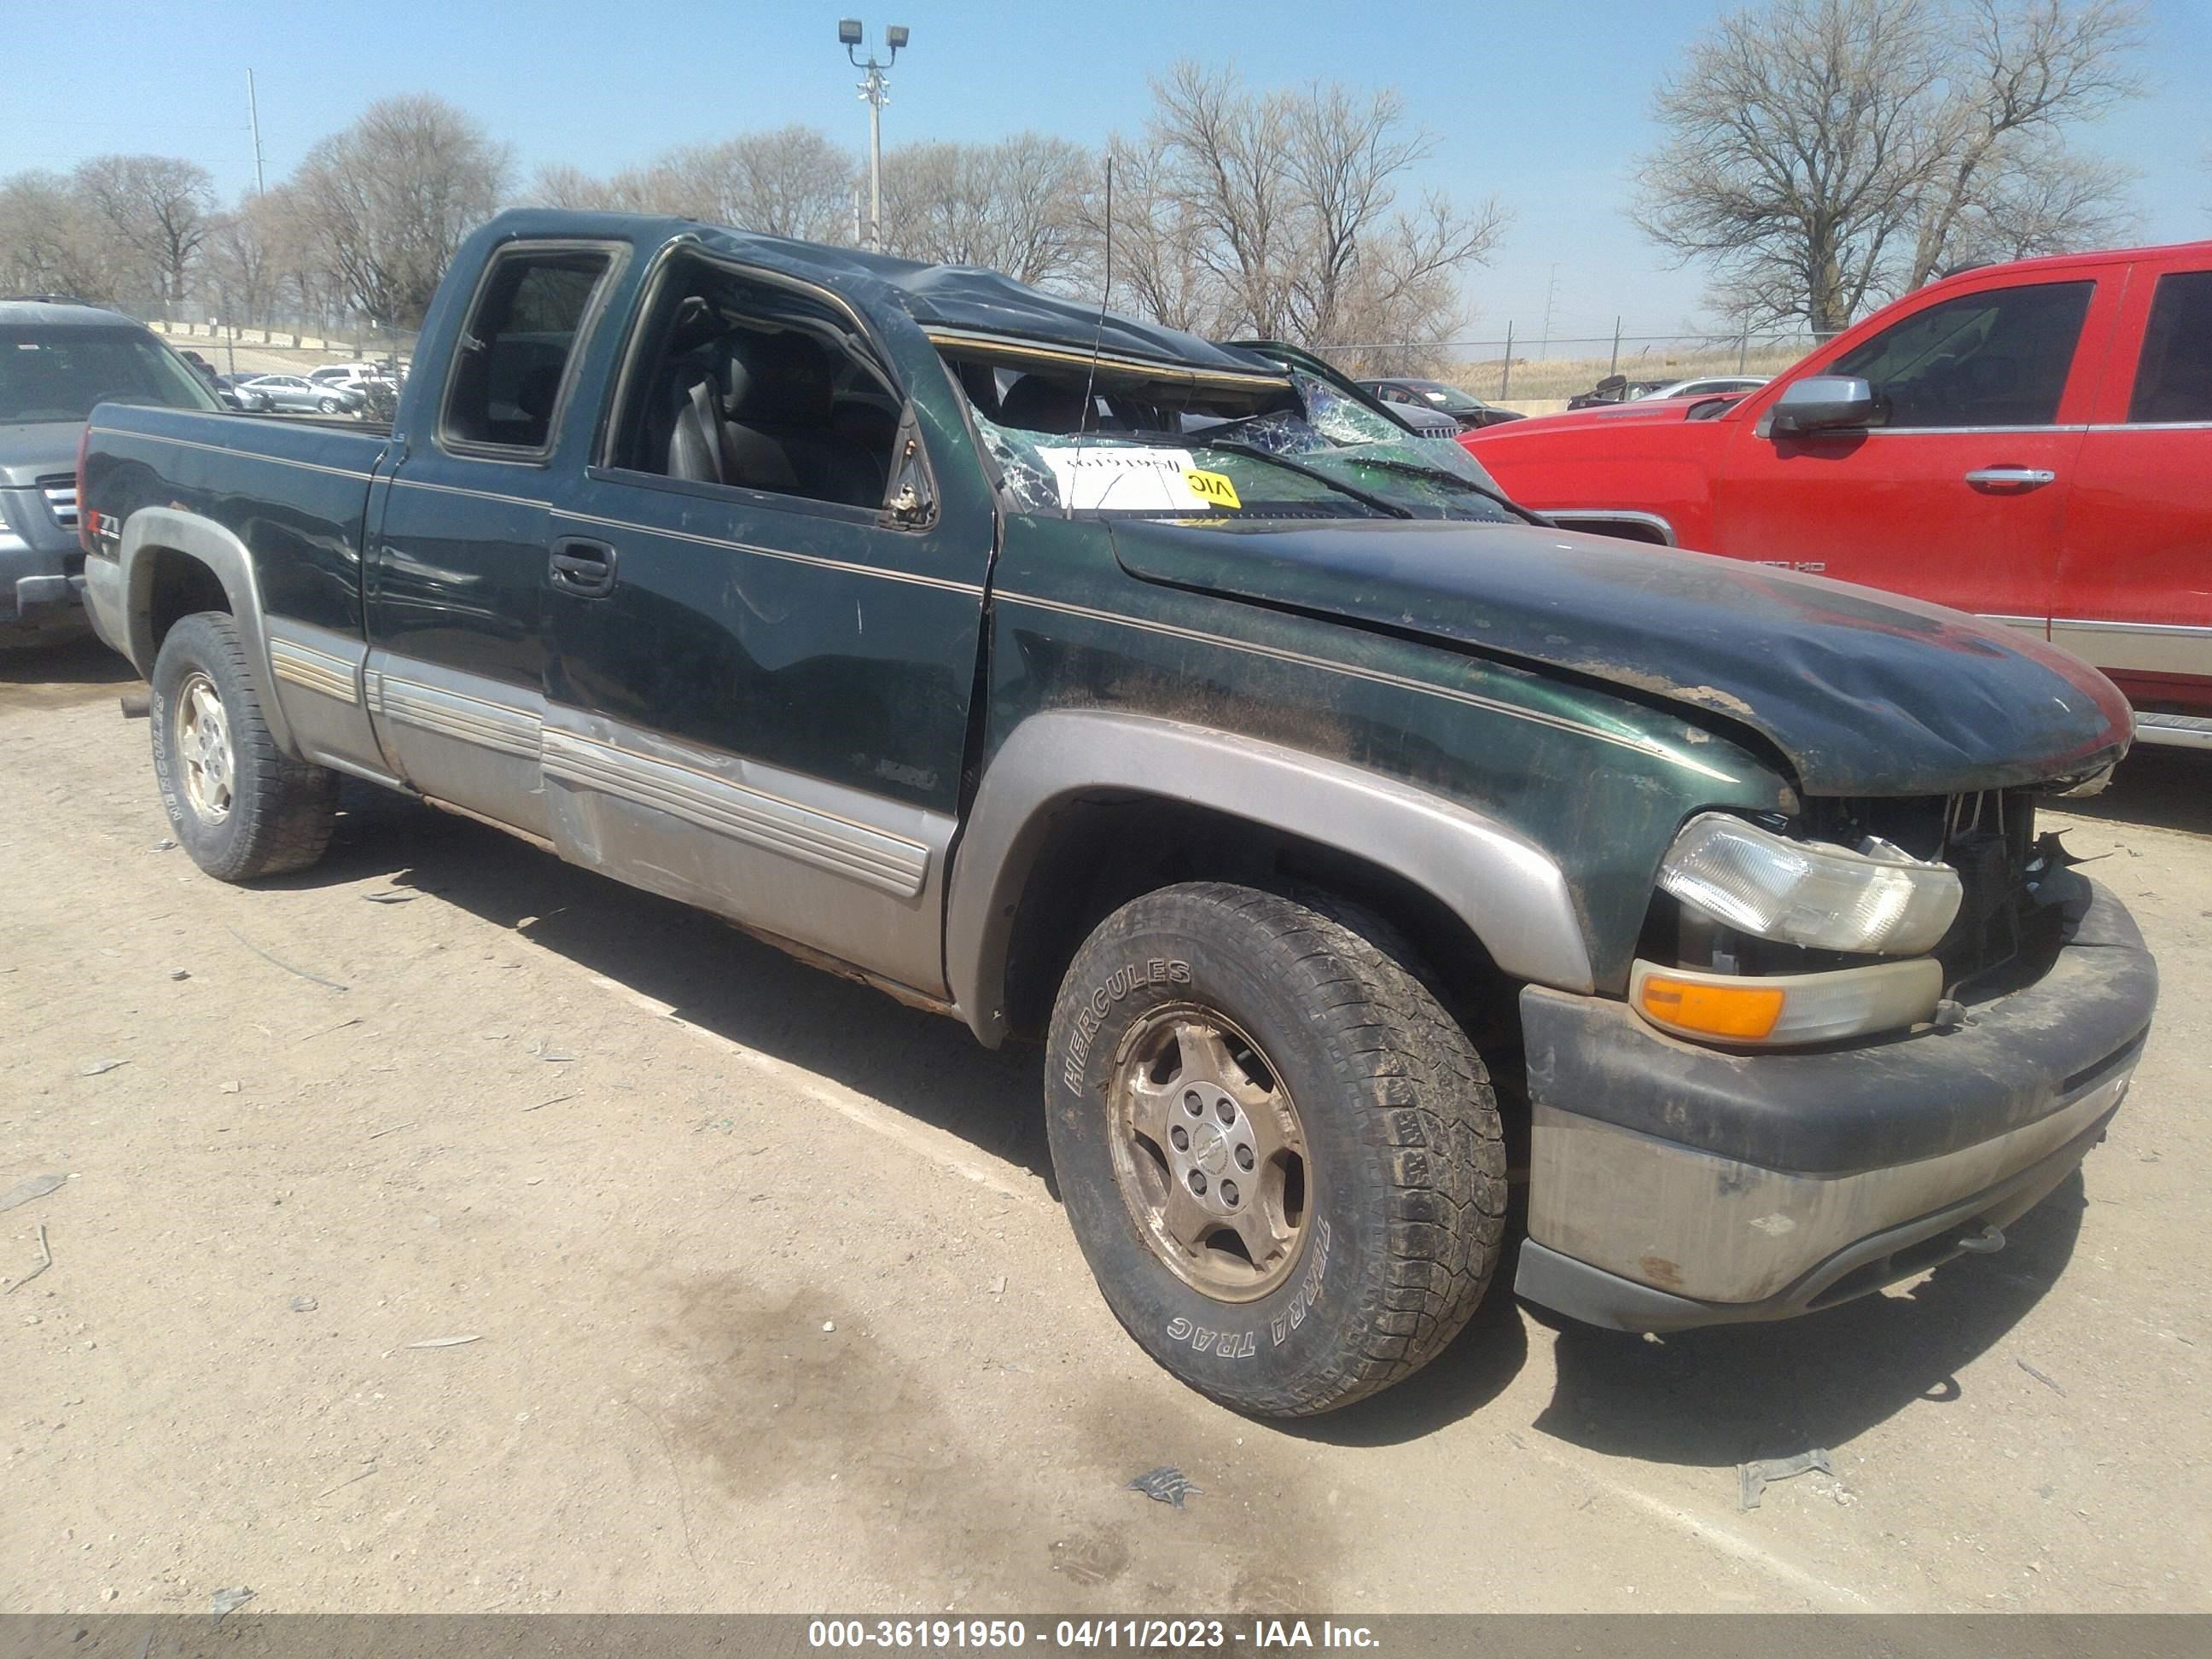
{"x":1350,"y":836}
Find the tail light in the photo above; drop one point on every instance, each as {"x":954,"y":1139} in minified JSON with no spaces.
{"x":84,"y":512}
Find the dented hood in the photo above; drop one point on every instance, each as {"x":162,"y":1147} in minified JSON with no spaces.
{"x":1863,"y":692}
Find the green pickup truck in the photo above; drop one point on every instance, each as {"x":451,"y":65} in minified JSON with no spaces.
{"x":1359,"y":844}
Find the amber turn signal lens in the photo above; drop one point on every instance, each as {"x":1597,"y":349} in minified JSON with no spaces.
{"x":1743,"y":1012}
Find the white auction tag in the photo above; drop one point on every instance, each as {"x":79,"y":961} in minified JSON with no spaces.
{"x":1141,"y":480}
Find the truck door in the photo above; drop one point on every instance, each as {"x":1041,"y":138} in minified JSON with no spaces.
{"x":765,"y":613}
{"x":2134,"y":577}
{"x":456,"y":588}
{"x":1957,"y":494}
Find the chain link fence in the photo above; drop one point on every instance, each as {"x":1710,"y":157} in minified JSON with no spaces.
{"x":280,"y":349}
{"x":1537,"y":375}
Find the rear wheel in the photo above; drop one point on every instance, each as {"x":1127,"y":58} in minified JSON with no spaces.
{"x":238,"y":804}
{"x":1281,"y":1157}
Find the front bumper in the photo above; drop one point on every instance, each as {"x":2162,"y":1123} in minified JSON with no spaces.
{"x":1674,"y":1185}
{"x":39,"y":594}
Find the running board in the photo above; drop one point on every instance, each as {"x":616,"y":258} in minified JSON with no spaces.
{"x":2178,"y":730}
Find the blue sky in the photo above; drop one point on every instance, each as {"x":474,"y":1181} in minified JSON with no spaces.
{"x":1544,"y":105}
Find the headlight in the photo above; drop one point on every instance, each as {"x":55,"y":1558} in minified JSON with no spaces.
{"x":1879,"y":901}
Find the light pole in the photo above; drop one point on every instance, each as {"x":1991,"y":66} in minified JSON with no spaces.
{"x":875,"y":89}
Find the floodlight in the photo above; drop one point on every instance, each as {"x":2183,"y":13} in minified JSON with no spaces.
{"x":895,"y":36}
{"x":848,"y":31}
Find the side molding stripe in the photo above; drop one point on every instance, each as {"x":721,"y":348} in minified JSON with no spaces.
{"x":891,"y":863}
{"x":450,"y":714}
{"x":316,"y":671}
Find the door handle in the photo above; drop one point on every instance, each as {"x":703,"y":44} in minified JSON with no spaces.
{"x":2011,"y":480}
{"x":582,"y":567}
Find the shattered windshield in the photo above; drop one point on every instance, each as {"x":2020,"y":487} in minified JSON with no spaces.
{"x":1307,"y":452}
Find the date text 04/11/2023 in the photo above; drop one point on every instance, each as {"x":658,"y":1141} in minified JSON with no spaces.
{"x":1260,"y":1635}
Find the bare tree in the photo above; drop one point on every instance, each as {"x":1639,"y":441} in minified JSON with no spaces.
{"x":390,"y":198}
{"x":1225,"y":156}
{"x":1018,"y":206}
{"x":1288,"y":202}
{"x":793,"y":181}
{"x":157,"y":206}
{"x":2031,"y":201}
{"x":561,"y":185}
{"x":48,"y":243}
{"x":2023,"y":69}
{"x":251,"y":251}
{"x":1160,"y":267}
{"x":1824,"y":154}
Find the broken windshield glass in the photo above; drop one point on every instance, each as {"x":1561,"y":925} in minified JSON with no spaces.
{"x":1328,"y":457}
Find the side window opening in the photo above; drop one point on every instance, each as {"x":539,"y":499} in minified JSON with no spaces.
{"x":750,"y":386}
{"x":1997,"y":358}
{"x":516,"y":351}
{"x":2173,"y":380}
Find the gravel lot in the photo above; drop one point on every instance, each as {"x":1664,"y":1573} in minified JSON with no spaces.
{"x":769,"y":1305}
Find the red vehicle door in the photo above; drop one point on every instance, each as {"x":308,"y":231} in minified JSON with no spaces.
{"x":1957,"y":492}
{"x":2135,"y":575}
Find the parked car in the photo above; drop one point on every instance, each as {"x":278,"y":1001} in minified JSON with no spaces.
{"x":297,"y":392}
{"x":232,"y":389}
{"x":2032,"y":441}
{"x":59,"y":358}
{"x":1332,"y":819}
{"x":1613,"y":389}
{"x":1424,"y":418}
{"x":355,"y":375}
{"x":1467,"y":410}
{"x":1708,"y":386}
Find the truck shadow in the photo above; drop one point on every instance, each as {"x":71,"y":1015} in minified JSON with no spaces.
{"x":79,"y":671}
{"x":1731,"y":1394}
{"x":1734,"y":1393}
{"x":1708,"y":1397}
{"x":713,"y":976}
{"x":2165,"y":789}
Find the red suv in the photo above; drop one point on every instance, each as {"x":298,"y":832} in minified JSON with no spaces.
{"x":2031,"y":441}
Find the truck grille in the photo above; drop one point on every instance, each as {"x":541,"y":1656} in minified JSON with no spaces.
{"x":60,"y":492}
{"x":2005,"y":933}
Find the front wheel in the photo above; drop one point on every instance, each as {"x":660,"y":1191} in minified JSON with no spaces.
{"x":237,"y":802}
{"x":328,"y":405}
{"x":1281,"y":1157}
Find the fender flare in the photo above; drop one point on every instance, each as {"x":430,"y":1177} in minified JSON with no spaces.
{"x":1511,"y":893}
{"x":151,"y":530}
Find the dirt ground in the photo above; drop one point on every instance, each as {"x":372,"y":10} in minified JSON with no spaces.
{"x":766,"y":1303}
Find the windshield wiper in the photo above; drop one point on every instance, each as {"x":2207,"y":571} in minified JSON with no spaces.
{"x":1381,"y":503}
{"x":1201,"y":441}
{"x":1415,"y":469}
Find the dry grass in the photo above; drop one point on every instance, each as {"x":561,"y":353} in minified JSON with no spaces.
{"x":1550,"y":381}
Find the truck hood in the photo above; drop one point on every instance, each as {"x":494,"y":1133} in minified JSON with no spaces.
{"x":1863,"y":693}
{"x":28,"y":453}
{"x":1644,"y":411}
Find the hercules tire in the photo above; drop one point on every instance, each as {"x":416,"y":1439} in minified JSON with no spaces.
{"x":278,"y":812}
{"x":1400,"y":1201}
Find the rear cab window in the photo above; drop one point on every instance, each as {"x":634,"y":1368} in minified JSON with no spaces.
{"x":517,"y":355}
{"x":2173,"y":377}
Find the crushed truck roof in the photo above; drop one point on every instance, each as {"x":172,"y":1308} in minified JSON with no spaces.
{"x":945,"y":300}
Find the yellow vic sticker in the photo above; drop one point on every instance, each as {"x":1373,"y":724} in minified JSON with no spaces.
{"x":1212,"y":488}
